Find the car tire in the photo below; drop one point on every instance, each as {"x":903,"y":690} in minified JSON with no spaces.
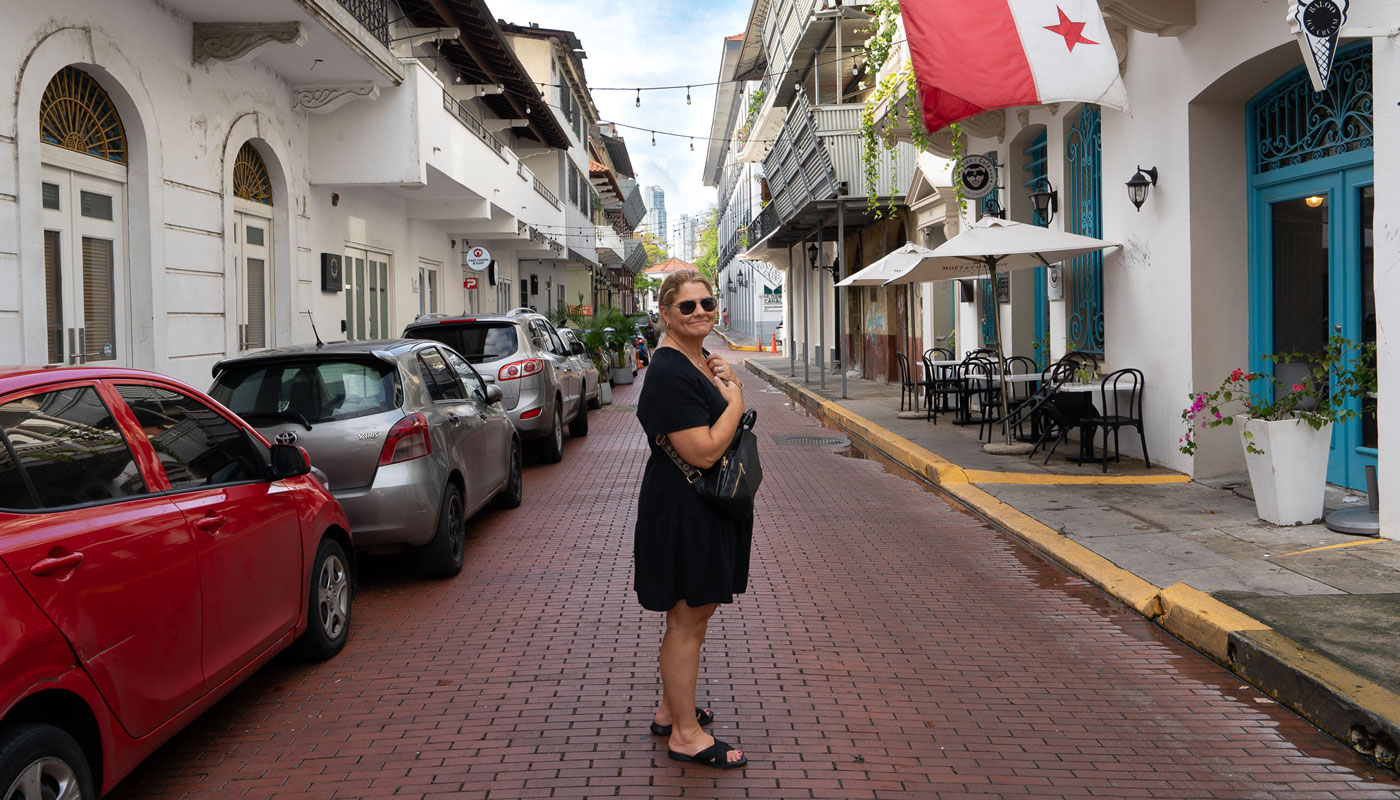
{"x":597,"y":401}
{"x":35,"y":750}
{"x":443,"y":556}
{"x":550,"y":449}
{"x":514,"y":492}
{"x":328,"y":605}
{"x":578,"y":426}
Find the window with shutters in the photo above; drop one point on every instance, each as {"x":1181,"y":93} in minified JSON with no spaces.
{"x":82,"y":186}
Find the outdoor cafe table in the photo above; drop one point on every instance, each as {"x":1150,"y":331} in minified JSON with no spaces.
{"x":1086,"y":436}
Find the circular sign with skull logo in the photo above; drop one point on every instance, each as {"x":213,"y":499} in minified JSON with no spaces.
{"x":978,"y":177}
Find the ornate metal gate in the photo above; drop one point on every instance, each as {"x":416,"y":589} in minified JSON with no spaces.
{"x":1084,"y":289}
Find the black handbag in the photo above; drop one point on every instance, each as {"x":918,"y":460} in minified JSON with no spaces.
{"x":729,"y":485}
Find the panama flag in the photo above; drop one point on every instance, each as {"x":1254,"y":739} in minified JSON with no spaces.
{"x":971,"y":56}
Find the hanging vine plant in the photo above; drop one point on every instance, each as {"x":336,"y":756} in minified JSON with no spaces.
{"x":899,"y":88}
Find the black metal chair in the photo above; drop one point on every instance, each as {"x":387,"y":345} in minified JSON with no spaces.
{"x":941,"y":388}
{"x":977,"y":380}
{"x":1018,"y":392}
{"x":907,"y":387}
{"x":1120,"y":395}
{"x":1052,"y":413}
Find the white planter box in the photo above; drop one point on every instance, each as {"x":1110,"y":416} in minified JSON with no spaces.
{"x":622,"y":375}
{"x":605,"y":393}
{"x":1289,"y":477}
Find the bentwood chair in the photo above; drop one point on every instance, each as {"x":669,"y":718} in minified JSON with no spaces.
{"x":941,"y":387}
{"x":907,"y":387}
{"x":1120,"y":397}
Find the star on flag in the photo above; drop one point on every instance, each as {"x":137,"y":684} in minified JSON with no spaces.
{"x":1072,"y":31}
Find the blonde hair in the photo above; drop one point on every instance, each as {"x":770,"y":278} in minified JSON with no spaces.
{"x":673,"y":284}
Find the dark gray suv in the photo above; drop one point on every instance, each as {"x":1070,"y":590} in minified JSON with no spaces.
{"x":542,"y":384}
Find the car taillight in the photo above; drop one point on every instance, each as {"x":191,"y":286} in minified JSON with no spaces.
{"x":532,"y":413}
{"x":521,"y":369}
{"x":407,"y":440}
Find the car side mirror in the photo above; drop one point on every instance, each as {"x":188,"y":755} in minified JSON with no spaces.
{"x":290,"y":461}
{"x":494,"y":393}
{"x":576,"y":348}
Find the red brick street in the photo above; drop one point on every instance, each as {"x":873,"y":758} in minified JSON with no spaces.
{"x":891,"y":646}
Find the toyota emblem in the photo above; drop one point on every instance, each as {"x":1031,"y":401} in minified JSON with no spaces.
{"x":287,"y":437}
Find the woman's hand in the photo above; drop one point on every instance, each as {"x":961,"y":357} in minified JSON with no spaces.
{"x":731,"y":389}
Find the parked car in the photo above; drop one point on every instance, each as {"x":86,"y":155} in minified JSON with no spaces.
{"x":412,"y":441}
{"x":592,"y":396}
{"x":156,"y":551}
{"x":542,"y":385}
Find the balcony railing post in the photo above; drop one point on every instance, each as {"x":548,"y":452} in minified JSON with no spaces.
{"x":373,"y":14}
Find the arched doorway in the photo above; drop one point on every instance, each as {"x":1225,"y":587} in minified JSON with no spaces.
{"x":1311,"y":204}
{"x":84,"y":155}
{"x":252,"y":244}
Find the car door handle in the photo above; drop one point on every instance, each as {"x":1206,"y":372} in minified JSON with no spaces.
{"x":48,"y":566}
{"x":210,"y":522}
{"x":481,"y":414}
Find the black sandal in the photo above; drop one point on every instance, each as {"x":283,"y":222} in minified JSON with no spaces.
{"x":704,"y":716}
{"x":716,"y":755}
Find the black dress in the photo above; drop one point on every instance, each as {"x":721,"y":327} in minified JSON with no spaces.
{"x":684,"y":548}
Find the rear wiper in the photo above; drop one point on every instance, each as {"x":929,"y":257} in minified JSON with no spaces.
{"x":287,"y":415}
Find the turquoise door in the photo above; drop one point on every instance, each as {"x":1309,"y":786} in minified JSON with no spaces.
{"x":1310,"y":226}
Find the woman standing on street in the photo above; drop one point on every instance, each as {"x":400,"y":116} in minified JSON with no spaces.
{"x":689,"y":556}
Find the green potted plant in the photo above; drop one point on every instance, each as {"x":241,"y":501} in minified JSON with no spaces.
{"x":619,"y":337}
{"x":1286,"y":427}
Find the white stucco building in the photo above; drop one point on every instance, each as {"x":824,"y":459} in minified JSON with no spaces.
{"x":188,"y":180}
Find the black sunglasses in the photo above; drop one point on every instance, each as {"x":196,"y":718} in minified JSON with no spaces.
{"x":687,"y":307}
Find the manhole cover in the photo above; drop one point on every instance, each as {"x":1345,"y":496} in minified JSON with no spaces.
{"x":811,"y":441}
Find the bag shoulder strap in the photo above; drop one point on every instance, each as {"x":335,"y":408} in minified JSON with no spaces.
{"x":692,"y":475}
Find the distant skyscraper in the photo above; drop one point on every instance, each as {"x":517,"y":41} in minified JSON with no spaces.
{"x":655,"y":200}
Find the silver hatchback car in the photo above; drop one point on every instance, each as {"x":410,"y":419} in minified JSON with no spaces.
{"x":541,"y":381}
{"x":412,"y":442}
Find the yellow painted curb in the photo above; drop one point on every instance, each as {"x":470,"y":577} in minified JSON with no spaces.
{"x":1356,"y":689}
{"x":730,"y":344}
{"x":1203,"y":622}
{"x":1043,"y":479}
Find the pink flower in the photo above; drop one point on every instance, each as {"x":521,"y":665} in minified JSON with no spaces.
{"x":1217,"y":415}
{"x":1237,"y":374}
{"x":1297,"y":387}
{"x":1199,"y":404}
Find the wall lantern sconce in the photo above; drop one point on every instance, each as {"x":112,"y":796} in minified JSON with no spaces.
{"x":812,"y":253}
{"x":1139,"y":184}
{"x":743,"y":280}
{"x":729,"y":286}
{"x":1045,"y":200}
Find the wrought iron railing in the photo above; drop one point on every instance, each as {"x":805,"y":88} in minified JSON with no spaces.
{"x":373,"y":14}
{"x":471,"y":123}
{"x":1291,"y":124}
{"x":543,"y":191}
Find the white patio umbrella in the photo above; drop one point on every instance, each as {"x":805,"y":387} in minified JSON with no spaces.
{"x":994,"y":244}
{"x":892,"y":264}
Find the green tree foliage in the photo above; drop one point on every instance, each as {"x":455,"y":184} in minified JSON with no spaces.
{"x":708,"y":260}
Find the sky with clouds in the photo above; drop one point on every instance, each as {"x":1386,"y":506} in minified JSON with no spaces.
{"x":649,"y":43}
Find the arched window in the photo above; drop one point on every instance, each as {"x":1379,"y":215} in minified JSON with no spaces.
{"x":252,"y":242}
{"x":250,"y":179}
{"x":75,"y":113}
{"x":84,"y":166}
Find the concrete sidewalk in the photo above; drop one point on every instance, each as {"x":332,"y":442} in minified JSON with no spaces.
{"x":1308,"y":615}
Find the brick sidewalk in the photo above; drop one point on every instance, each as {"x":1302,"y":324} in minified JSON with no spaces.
{"x":891,"y":646}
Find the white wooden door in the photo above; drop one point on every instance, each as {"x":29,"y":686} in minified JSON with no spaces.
{"x":85,"y":270}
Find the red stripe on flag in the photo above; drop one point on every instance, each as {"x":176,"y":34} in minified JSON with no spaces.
{"x":967,"y":58}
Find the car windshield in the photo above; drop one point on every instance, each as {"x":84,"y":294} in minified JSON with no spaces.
{"x":310,"y":391}
{"x":476,"y":342}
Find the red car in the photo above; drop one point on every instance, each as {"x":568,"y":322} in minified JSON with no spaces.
{"x":154,"y":552}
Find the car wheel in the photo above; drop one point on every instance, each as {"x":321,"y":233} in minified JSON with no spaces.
{"x":42,"y":762}
{"x":597,"y":401}
{"x":514,"y":493}
{"x":578,"y":426}
{"x":328,"y":609}
{"x":550,"y":449}
{"x":443,"y":556}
